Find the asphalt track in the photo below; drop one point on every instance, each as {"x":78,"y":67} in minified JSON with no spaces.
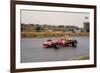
{"x":32,"y":50}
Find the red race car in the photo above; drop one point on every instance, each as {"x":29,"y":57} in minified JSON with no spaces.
{"x":60,"y":43}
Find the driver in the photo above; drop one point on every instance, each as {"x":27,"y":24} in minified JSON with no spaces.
{"x":67,"y":37}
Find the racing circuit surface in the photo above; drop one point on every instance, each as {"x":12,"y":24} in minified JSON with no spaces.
{"x":32,"y":50}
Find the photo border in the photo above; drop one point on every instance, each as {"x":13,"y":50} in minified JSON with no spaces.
{"x":13,"y":35}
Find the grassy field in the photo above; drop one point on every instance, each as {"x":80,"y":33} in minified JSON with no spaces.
{"x":82,"y":58}
{"x":51,"y":34}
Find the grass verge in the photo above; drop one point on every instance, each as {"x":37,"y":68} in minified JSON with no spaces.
{"x":51,"y":34}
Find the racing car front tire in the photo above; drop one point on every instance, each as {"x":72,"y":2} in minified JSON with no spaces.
{"x":74,"y":44}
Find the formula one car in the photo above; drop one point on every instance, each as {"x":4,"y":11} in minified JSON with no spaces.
{"x":59,"y":43}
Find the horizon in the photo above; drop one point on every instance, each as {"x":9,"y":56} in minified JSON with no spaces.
{"x":54,"y":18}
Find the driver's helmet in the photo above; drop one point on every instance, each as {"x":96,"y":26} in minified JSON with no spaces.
{"x":66,"y":36}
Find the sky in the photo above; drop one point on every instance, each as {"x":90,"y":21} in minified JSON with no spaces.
{"x":53,"y":18}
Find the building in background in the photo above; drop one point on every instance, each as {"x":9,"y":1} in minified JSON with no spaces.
{"x":86,"y":24}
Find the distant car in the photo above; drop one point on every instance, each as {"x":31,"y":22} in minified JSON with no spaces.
{"x":59,"y":43}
